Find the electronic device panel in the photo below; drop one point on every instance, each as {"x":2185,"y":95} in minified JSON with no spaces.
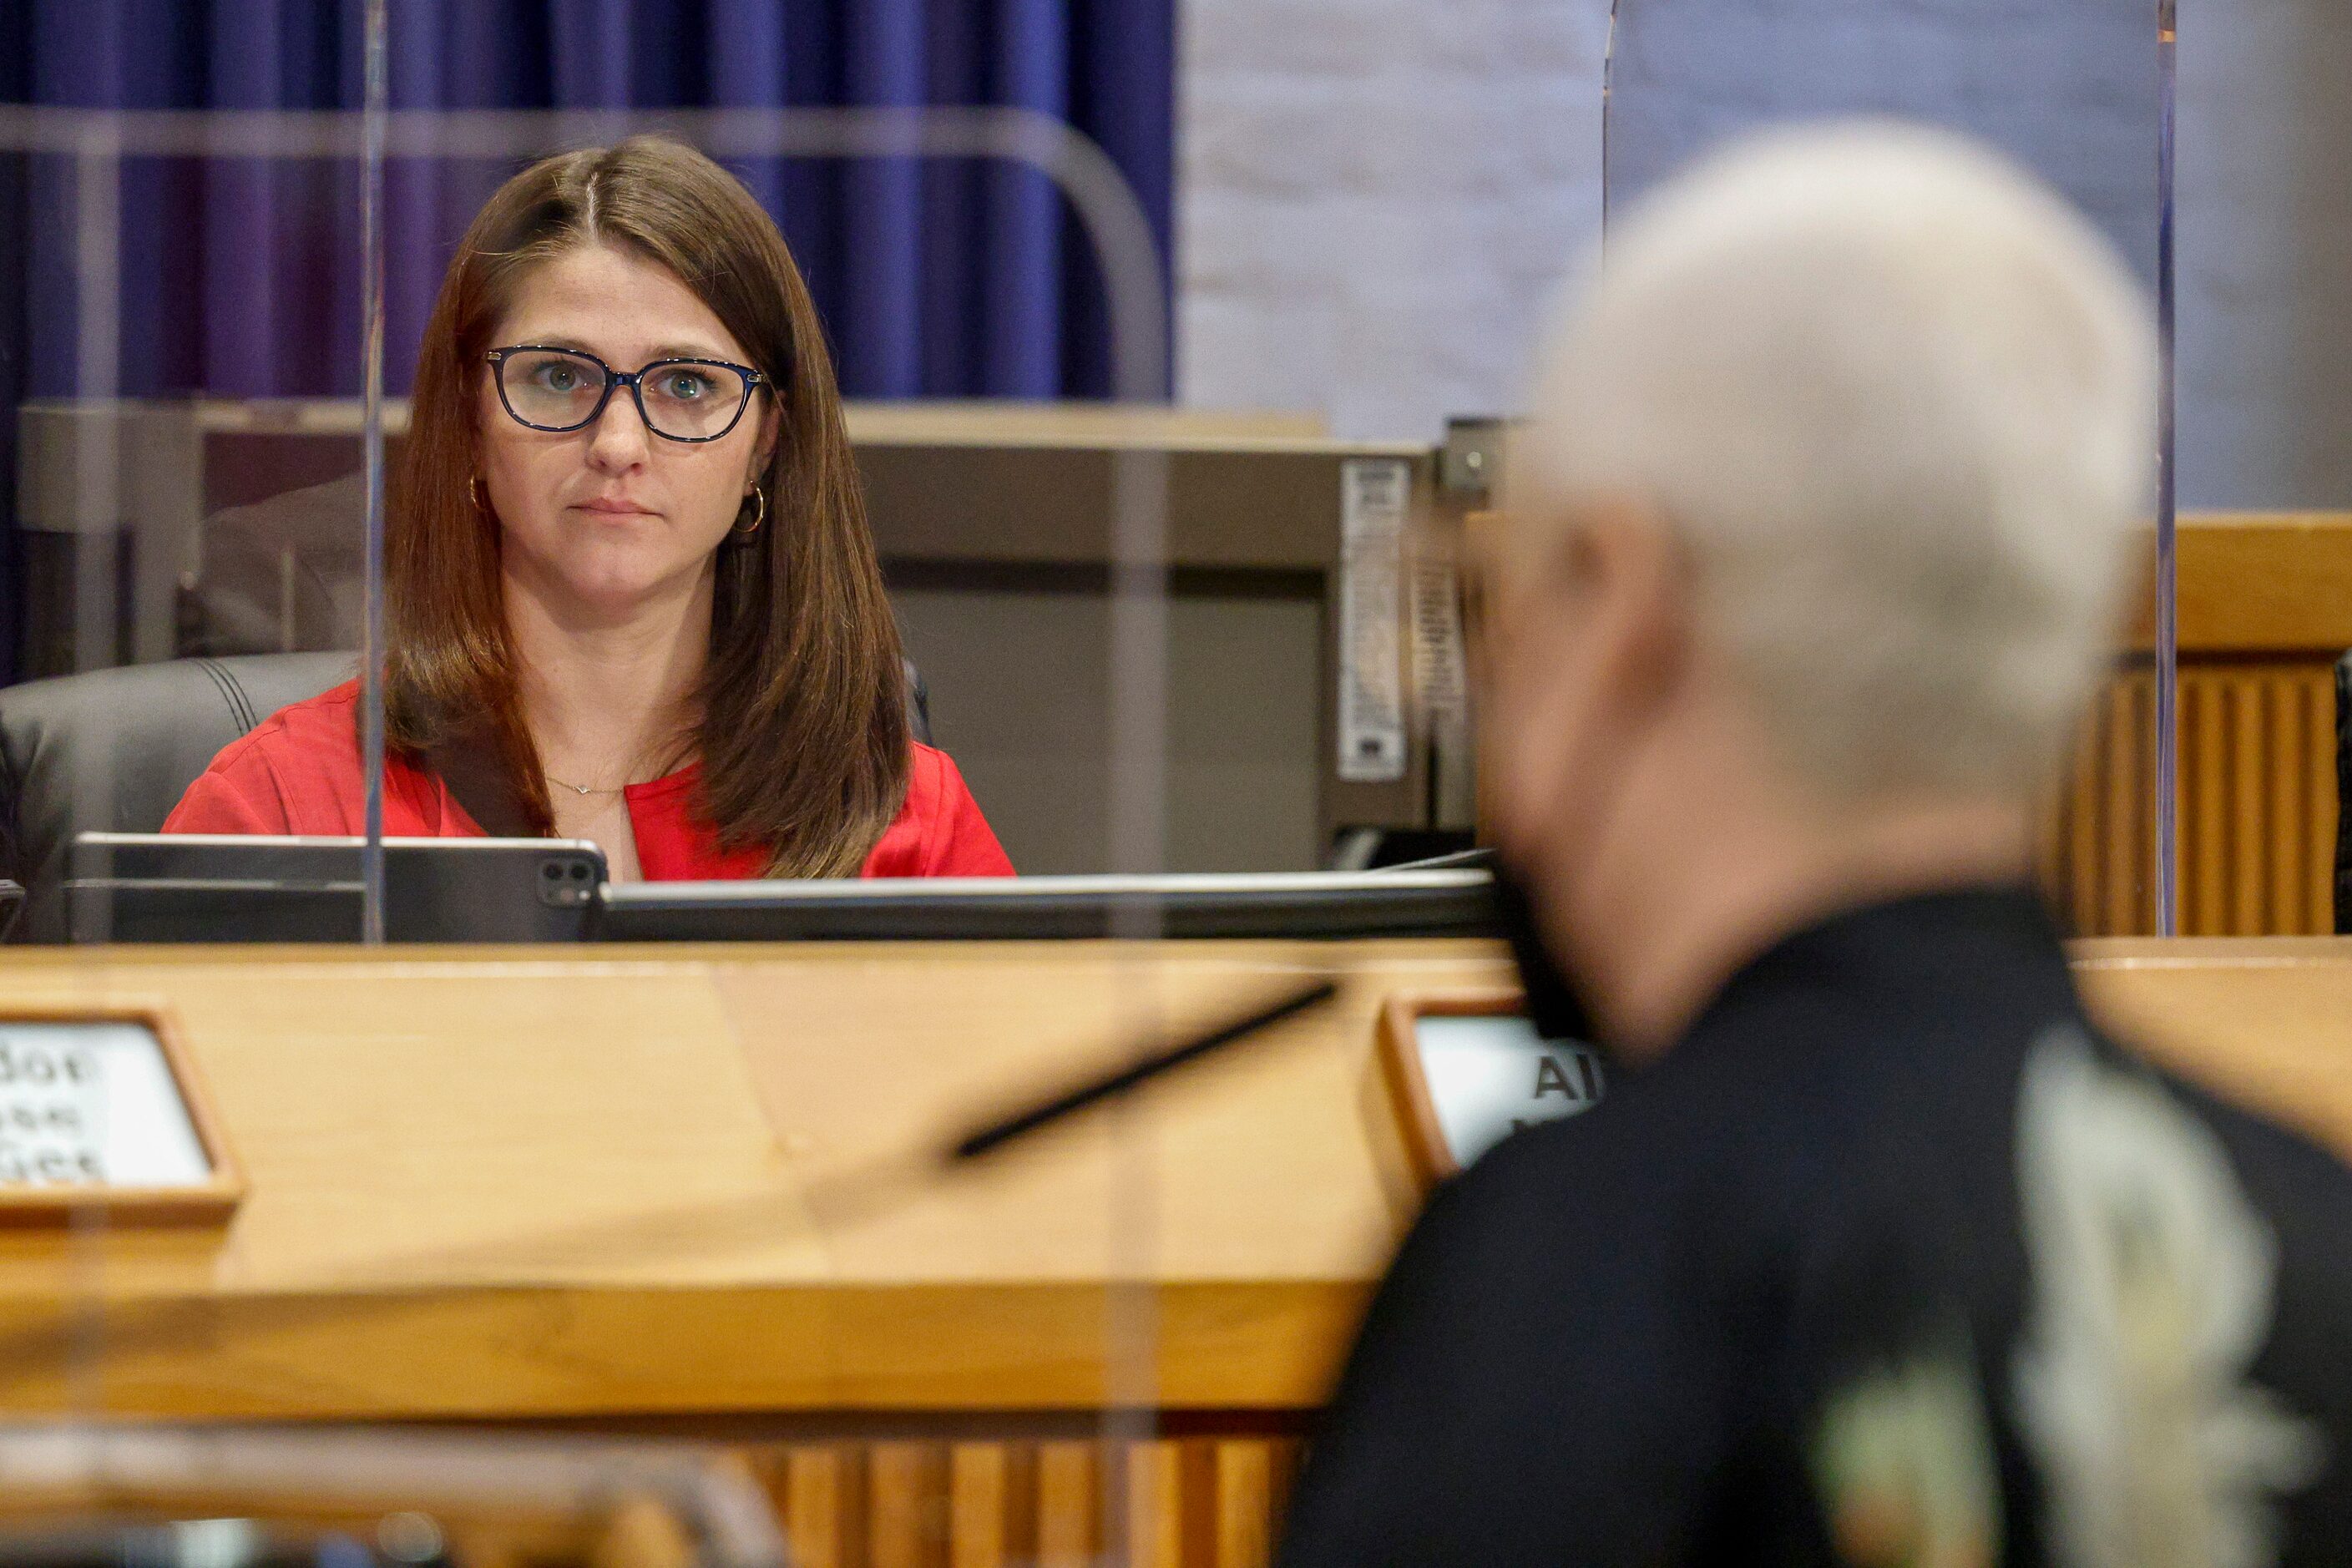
{"x":1304,"y":905}
{"x":203,"y":887}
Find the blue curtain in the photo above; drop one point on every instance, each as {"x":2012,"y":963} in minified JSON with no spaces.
{"x":241,"y":277}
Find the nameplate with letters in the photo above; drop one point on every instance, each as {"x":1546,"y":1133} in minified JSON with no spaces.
{"x":100,"y":1113}
{"x":1467,"y":1070}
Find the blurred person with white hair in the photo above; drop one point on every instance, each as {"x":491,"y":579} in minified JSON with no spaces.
{"x":1876,"y":1252}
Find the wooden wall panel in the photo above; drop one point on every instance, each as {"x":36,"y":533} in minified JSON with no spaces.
{"x":2098,"y":855}
{"x":2257,"y":803}
{"x":1210,"y":1502}
{"x":2265,"y":610}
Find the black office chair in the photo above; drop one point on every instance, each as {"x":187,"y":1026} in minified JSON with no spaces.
{"x":113,"y":750}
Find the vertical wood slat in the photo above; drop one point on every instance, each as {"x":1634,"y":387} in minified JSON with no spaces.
{"x":1211,"y":1501}
{"x":1155,"y":1505}
{"x":992,"y":1505}
{"x":906,"y":1496}
{"x":2074,"y":865}
{"x":2322,"y":806}
{"x":2257,"y":804}
{"x":1171,"y":1504}
{"x":2099,"y":859}
{"x":1069,"y":1499}
{"x":2252,"y":760}
{"x":2115,"y":808}
{"x":819,"y":1506}
{"x":2204,"y":820}
{"x":1245,"y":1504}
{"x":2131,"y":789}
{"x":2284,"y":851}
{"x":1253,"y":1478}
{"x":807,"y":1488}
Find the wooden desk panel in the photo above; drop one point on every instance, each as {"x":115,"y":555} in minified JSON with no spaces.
{"x":675,"y":1184}
{"x":703,"y":1181}
{"x":2267,"y":1023}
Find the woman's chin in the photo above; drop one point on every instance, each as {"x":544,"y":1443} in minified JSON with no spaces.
{"x":621,"y":582}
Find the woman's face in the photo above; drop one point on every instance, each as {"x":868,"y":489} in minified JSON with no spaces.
{"x":602,"y":521}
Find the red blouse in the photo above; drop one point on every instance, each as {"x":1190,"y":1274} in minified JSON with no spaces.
{"x":299,"y":773}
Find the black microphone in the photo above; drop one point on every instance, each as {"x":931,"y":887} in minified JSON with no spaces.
{"x":993,"y":1136}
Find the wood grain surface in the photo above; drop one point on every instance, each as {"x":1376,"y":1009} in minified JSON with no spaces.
{"x":703,"y":1180}
{"x":697,"y":1184}
{"x":707,"y":1181}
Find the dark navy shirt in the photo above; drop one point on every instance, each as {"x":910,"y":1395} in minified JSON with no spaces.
{"x":1891,"y":1260}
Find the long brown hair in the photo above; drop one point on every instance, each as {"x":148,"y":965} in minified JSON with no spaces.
{"x":804,"y":738}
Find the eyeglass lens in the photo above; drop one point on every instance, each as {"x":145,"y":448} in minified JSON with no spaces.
{"x":692,"y":400}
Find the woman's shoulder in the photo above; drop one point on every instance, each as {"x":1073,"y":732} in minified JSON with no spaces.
{"x":935,"y":784}
{"x":939,"y":831}
{"x":319,"y":730}
{"x":295,"y":772}
{"x":930,"y":770}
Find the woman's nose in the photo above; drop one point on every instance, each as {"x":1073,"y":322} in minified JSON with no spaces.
{"x":619,"y":438}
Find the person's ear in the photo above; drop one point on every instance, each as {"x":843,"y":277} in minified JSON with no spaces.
{"x":1611,"y":578}
{"x":1593,"y":640}
{"x":763,"y":450}
{"x":1634,"y":588}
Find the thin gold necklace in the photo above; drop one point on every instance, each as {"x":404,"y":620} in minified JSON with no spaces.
{"x":581,"y":789}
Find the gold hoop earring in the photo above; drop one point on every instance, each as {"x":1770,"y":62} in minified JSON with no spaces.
{"x":745,"y":531}
{"x":474,"y":488}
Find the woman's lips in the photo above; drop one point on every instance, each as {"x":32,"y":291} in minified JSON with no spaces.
{"x":604,"y":507}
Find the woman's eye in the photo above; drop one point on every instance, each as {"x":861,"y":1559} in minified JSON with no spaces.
{"x":685,"y":387}
{"x":559,"y":378}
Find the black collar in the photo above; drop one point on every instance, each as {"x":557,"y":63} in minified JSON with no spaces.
{"x":1919,"y":943}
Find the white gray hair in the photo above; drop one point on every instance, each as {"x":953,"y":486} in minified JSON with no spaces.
{"x":1897,"y":401}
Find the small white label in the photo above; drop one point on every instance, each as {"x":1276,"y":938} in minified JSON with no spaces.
{"x":93,"y":1105}
{"x":1375,"y":499}
{"x":1490,"y":1075}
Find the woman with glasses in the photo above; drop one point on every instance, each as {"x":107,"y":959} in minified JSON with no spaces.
{"x":632,"y":595}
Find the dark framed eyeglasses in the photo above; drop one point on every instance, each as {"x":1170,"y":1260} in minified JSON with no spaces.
{"x":558,"y":390}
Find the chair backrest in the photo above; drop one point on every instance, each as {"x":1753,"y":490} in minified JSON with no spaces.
{"x":112,"y":751}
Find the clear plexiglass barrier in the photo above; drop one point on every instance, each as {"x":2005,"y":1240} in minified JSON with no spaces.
{"x":218,"y":471}
{"x":605,"y":597}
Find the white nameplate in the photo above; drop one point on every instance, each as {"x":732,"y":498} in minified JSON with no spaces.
{"x":100,"y":1108}
{"x":1470,"y":1071}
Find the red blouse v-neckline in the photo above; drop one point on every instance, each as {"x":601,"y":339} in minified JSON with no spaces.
{"x":298,"y":773}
